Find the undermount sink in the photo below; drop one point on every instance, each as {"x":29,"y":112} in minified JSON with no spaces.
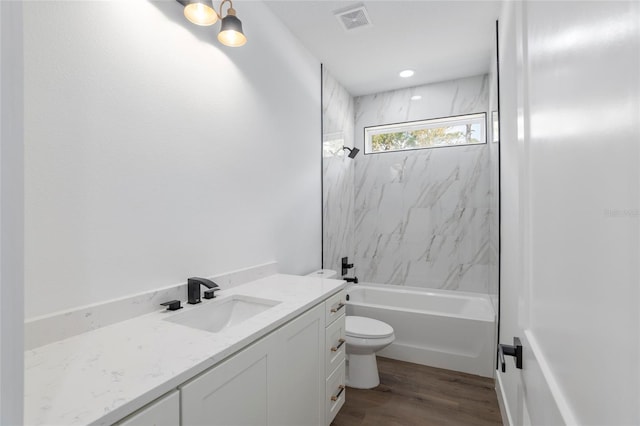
{"x":218,"y":315}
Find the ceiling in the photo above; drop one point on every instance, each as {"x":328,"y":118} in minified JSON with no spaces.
{"x":439,"y":40}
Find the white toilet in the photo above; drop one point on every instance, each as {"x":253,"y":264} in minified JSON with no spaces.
{"x":364,"y":337}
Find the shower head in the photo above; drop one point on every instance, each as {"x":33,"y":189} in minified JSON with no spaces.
{"x":352,"y":151}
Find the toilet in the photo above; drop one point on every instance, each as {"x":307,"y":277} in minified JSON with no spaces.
{"x":364,"y":337}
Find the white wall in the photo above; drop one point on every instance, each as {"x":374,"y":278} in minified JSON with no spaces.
{"x":11,"y":214}
{"x":570,"y":104}
{"x":154,"y":153}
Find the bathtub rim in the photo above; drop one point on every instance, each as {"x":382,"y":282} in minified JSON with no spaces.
{"x":427,"y":291}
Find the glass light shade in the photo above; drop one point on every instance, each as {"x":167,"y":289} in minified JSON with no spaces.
{"x":231,"y":32}
{"x":201,"y":12}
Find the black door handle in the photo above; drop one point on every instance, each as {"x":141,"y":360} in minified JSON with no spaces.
{"x":514,"y":351}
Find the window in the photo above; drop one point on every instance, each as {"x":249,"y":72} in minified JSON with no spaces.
{"x":439,"y":132}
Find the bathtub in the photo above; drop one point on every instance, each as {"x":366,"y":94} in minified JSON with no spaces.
{"x":438,"y":328}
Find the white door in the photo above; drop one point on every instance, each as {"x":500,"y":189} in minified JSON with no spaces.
{"x":570,"y":214}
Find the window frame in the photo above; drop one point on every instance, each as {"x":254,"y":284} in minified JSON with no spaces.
{"x":413,"y":122}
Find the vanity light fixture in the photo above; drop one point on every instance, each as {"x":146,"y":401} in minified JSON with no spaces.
{"x":201,"y":12}
{"x":416,"y":97}
{"x":406,"y":73}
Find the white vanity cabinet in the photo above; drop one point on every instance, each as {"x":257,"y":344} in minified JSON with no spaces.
{"x":164,"y":411}
{"x":335,"y":354}
{"x":279,"y":380}
{"x":233,"y":392}
{"x":266,"y":365}
{"x":296,"y":385}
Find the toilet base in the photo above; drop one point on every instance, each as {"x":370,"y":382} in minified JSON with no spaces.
{"x":362,"y":371}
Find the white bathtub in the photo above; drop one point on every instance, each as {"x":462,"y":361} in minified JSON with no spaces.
{"x":439,"y":328}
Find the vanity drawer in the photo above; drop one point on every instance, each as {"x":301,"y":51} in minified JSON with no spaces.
{"x":335,"y":306}
{"x":335,"y":344}
{"x":335,"y":390}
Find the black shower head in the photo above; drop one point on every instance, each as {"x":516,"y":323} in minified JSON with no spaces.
{"x":352,"y":151}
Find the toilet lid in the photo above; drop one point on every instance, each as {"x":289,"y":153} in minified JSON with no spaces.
{"x":367,"y":327}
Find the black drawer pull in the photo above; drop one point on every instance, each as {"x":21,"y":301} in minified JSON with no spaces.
{"x":340,"y":306}
{"x":336,"y":396}
{"x":340,"y":343}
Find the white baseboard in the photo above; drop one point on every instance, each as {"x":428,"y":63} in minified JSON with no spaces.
{"x":502,"y":402}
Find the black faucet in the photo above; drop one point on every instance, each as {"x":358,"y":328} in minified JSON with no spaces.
{"x":351,"y":280}
{"x":193,"y":289}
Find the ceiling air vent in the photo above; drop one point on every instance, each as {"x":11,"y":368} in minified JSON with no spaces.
{"x":353,"y":17}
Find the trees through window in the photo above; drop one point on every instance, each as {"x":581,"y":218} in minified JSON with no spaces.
{"x":440,"y":132}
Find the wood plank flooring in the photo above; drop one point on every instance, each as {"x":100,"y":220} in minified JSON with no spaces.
{"x":411,"y":394}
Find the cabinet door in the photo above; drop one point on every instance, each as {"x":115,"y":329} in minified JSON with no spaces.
{"x":164,"y":411}
{"x":296,"y":384}
{"x":232,"y":393}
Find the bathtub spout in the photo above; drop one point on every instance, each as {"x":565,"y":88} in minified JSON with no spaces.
{"x":351,"y":280}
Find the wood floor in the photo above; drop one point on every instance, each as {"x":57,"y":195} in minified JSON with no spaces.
{"x":411,"y":394}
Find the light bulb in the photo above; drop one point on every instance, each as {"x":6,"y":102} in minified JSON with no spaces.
{"x":200,"y":14}
{"x":231,"y":31}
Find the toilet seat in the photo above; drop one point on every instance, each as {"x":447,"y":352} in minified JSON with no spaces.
{"x":367,"y":328}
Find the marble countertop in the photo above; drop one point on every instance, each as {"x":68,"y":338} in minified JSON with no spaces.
{"x":101,"y":376}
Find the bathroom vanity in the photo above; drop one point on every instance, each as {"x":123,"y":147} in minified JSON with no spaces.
{"x":277,"y":359}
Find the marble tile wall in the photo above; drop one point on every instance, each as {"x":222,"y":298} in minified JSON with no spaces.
{"x":421,"y":218}
{"x":338,"y":172}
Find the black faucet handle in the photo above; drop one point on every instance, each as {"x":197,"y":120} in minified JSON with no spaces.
{"x":210,"y":293}
{"x":346,"y":265}
{"x":172,"y":305}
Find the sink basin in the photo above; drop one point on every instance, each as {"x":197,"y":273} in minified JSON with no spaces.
{"x":218,"y":315}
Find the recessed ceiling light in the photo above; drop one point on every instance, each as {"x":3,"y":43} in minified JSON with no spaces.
{"x":406,"y":73}
{"x":416,"y":97}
